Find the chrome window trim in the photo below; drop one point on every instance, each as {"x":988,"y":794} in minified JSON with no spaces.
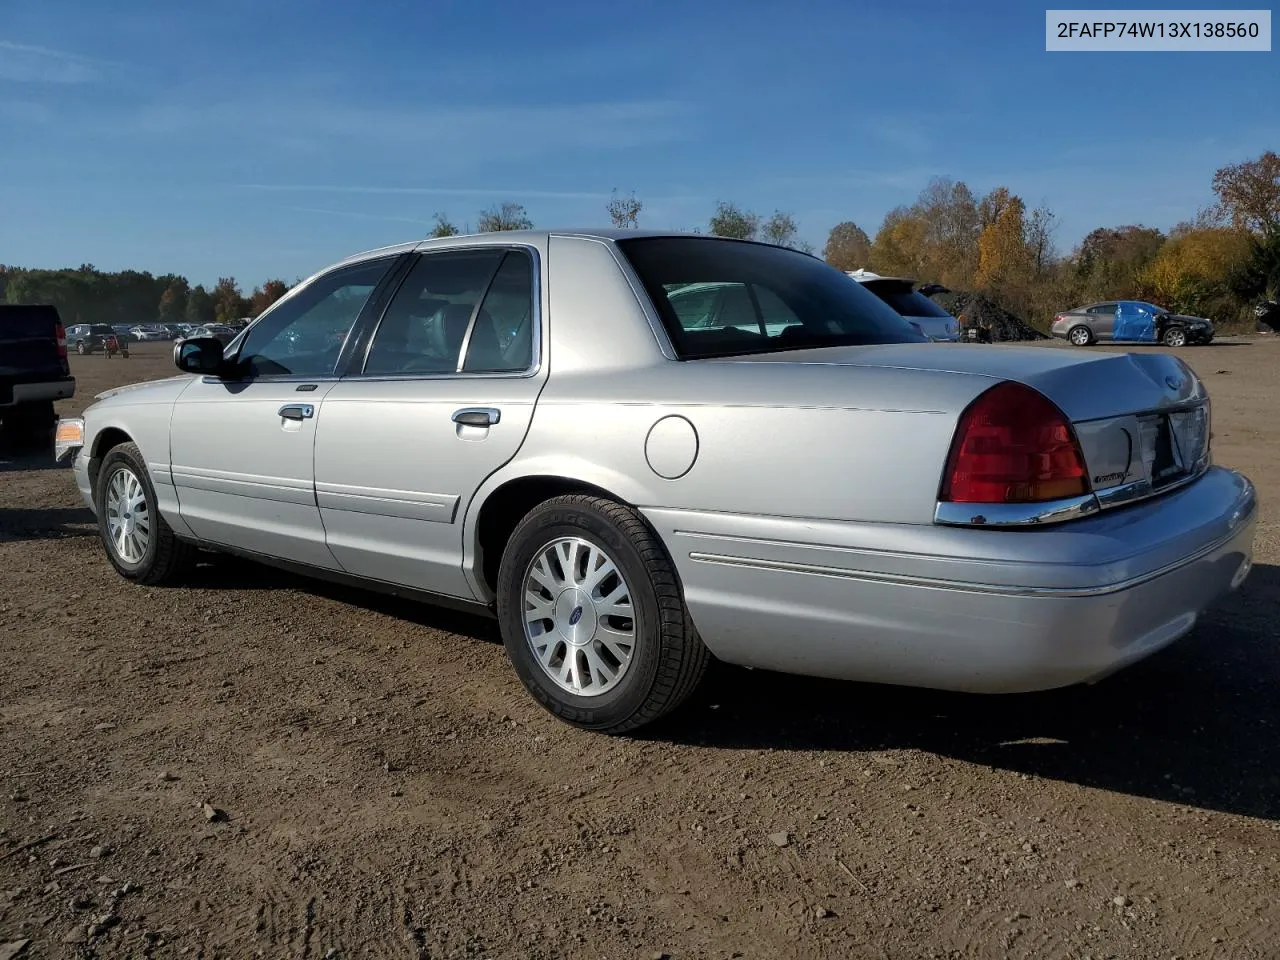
{"x":1058,"y":511}
{"x":538,"y":320}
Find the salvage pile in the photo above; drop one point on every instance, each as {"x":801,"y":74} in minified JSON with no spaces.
{"x":973,"y":309}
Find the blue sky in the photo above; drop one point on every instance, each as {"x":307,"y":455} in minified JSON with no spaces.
{"x":261,"y":138}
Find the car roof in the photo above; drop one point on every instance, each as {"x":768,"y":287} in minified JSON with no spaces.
{"x":609,"y":234}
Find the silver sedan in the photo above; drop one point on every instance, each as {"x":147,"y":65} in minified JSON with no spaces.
{"x":547,"y":428}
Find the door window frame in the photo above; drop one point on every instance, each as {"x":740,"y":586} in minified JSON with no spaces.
{"x":355,"y":363}
{"x":374,"y":303}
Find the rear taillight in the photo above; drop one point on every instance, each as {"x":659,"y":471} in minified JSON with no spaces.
{"x":1013,"y":445}
{"x":60,"y":332}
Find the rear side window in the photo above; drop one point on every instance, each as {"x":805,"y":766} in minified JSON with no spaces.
{"x":501,"y":338}
{"x":905,"y":300}
{"x":766,"y":298}
{"x":425,"y":327}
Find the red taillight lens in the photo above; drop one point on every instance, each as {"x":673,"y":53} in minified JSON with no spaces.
{"x":60,"y":332}
{"x":1013,"y":445}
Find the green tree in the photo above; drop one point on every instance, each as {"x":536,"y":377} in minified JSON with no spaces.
{"x":228,"y":303}
{"x":780,"y":228}
{"x":729,"y":221}
{"x":505,"y":216}
{"x":1249,"y":193}
{"x":624,"y":212}
{"x":173,"y":302}
{"x":443,"y":227}
{"x":200,"y":308}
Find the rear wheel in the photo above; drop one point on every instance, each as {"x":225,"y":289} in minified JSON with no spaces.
{"x":81,"y":348}
{"x":593,"y":618}
{"x":139,"y":544}
{"x":1080,"y":335}
{"x":1174,"y":337}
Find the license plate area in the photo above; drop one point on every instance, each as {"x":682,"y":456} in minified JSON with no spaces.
{"x":1173,"y":444}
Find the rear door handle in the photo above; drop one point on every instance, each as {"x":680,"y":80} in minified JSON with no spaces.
{"x":297,"y":411}
{"x":477,"y":416}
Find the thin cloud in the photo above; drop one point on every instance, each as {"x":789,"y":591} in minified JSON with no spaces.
{"x":25,"y":63}
{"x":425,"y":191}
{"x":355,"y":214}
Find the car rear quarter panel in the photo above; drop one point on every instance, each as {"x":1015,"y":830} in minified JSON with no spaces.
{"x":821,"y":441}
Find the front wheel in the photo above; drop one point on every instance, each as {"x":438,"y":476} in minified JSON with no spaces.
{"x":139,"y":544}
{"x":593,"y":618}
{"x":1174,"y":337}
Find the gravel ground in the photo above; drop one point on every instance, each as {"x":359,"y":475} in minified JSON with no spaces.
{"x":260,"y":766}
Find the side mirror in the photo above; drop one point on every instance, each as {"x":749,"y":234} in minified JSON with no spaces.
{"x":199,"y":355}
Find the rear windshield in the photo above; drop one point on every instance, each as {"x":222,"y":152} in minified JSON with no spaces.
{"x":720,"y":298}
{"x":905,"y":300}
{"x":21,"y":320}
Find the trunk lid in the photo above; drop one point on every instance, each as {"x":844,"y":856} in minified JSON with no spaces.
{"x":1143,"y":419}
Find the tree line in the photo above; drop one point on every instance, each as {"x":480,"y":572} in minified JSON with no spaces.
{"x":86,"y":294}
{"x":1218,"y":263}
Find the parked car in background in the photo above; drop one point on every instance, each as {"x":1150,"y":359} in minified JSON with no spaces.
{"x":175,"y":330}
{"x":88,"y":337}
{"x":34,"y":371}
{"x":1130,"y":321}
{"x":218,"y":331}
{"x":630,"y":489}
{"x":901,"y":295}
{"x":149,"y":333}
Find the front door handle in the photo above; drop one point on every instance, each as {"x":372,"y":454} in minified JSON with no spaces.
{"x":477,"y":416}
{"x":297,"y":411}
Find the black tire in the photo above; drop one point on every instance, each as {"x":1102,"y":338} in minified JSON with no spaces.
{"x":81,"y":348}
{"x":1174,"y":337}
{"x":1072,"y":335}
{"x":669,"y":657}
{"x":166,"y":559}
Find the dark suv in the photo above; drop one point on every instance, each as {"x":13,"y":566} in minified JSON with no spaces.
{"x":33,"y":371}
{"x":88,"y":337}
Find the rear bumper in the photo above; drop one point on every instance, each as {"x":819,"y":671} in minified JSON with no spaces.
{"x":989,"y":611}
{"x":59,"y":388}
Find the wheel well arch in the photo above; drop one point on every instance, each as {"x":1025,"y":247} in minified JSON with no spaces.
{"x":107,"y":438}
{"x":507,"y":505}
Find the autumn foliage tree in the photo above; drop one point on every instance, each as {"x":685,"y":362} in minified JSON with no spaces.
{"x":1249,"y":193}
{"x":848,"y":247}
{"x":264,"y":296}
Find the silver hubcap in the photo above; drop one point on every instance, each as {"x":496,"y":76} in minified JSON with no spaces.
{"x":578,"y":617}
{"x":1176,"y":339}
{"x":1080,"y":337}
{"x":128,"y":520}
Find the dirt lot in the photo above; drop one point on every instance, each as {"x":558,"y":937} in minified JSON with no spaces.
{"x":390,"y":790}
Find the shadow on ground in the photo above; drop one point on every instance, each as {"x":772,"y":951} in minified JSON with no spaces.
{"x":1198,"y":723}
{"x":52,"y":523}
{"x":223,"y":572}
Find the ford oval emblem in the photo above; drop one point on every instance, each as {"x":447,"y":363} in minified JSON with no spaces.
{"x":1172,"y":382}
{"x":575,"y":616}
